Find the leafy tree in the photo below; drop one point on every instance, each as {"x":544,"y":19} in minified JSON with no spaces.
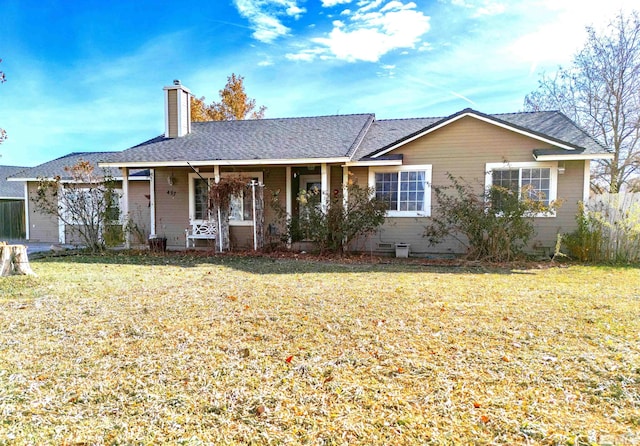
{"x":87,"y":203}
{"x":3,"y":79}
{"x":234,"y":104}
{"x":601,"y":92}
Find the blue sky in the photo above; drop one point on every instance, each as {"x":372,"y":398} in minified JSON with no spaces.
{"x":88,"y":75}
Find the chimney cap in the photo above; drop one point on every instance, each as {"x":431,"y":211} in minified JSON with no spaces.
{"x":176,"y":82}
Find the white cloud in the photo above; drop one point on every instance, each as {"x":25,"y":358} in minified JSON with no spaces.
{"x":306,"y":55}
{"x":263,"y":15}
{"x":372,"y":32}
{"x":481,"y":8}
{"x":563,"y":32}
{"x":331,"y":3}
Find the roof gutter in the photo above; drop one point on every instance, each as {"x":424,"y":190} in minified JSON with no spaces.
{"x":576,"y":157}
{"x":282,"y":162}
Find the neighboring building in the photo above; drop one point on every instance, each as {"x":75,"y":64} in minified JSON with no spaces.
{"x":400,"y":158}
{"x":12,"y":217}
{"x":46,"y":228}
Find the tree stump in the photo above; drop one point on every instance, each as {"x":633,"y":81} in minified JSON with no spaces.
{"x":14,"y":260}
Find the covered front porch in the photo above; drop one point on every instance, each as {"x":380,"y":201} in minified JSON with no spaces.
{"x":178,"y":199}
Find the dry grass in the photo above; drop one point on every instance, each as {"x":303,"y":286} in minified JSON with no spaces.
{"x":230,"y":350}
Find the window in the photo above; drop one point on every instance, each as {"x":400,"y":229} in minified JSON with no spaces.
{"x":242,"y":206}
{"x":407,"y":190}
{"x":82,"y":205}
{"x":241,"y":212}
{"x":201,"y":199}
{"x":538,"y":180}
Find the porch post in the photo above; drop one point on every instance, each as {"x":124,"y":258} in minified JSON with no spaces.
{"x":324,"y":186}
{"x":125,"y":205}
{"x":152,"y":200}
{"x":61,"y":226}
{"x":345,"y":183}
{"x":26,"y":210}
{"x":216,"y":178}
{"x":288,"y":195}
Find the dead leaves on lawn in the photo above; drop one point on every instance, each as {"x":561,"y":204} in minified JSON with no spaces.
{"x":252,"y":351}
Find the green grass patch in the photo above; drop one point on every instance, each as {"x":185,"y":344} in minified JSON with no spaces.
{"x":125,"y":349}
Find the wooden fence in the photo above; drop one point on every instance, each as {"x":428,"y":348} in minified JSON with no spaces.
{"x":12,"y":224}
{"x":617,"y":217}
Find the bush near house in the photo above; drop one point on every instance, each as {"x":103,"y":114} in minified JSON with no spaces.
{"x":337,"y":225}
{"x":494,"y":225}
{"x":608,"y":229}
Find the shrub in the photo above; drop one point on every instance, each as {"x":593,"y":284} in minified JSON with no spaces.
{"x":334,"y":228}
{"x":608,"y":230}
{"x":494,"y":225}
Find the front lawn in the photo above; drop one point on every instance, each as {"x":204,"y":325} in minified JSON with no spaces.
{"x":242,"y":350}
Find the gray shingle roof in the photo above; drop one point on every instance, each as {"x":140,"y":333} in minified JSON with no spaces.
{"x":386,"y":132}
{"x":9,"y":189}
{"x":555,"y":125}
{"x":355,"y":137}
{"x":262,"y":139}
{"x":551,"y":125}
{"x":56,"y":167}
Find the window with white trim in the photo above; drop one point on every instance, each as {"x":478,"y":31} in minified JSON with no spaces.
{"x":405,"y":189}
{"x":241,"y":212}
{"x":538,"y":180}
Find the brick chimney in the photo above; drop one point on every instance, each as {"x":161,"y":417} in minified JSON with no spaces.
{"x":177,"y":110}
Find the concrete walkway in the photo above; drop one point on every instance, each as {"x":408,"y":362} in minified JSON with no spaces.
{"x":34,"y":247}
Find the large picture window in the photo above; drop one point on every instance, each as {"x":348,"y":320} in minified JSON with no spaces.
{"x":538,"y":180}
{"x":406,"y":190}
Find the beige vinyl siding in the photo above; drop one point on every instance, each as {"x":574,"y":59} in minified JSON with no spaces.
{"x":335,"y":179}
{"x":172,"y":98}
{"x":463,"y":148}
{"x":42,"y":227}
{"x":172,"y":205}
{"x":139,"y":210}
{"x":570,"y":192}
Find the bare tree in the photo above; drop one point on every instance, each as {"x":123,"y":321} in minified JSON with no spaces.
{"x":600,"y":91}
{"x":87,"y":203}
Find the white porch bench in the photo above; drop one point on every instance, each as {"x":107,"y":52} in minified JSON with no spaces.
{"x":206,"y":230}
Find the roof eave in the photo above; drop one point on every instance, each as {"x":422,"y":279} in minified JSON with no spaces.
{"x":574,"y":157}
{"x":251,"y":162}
{"x":365,"y":163}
